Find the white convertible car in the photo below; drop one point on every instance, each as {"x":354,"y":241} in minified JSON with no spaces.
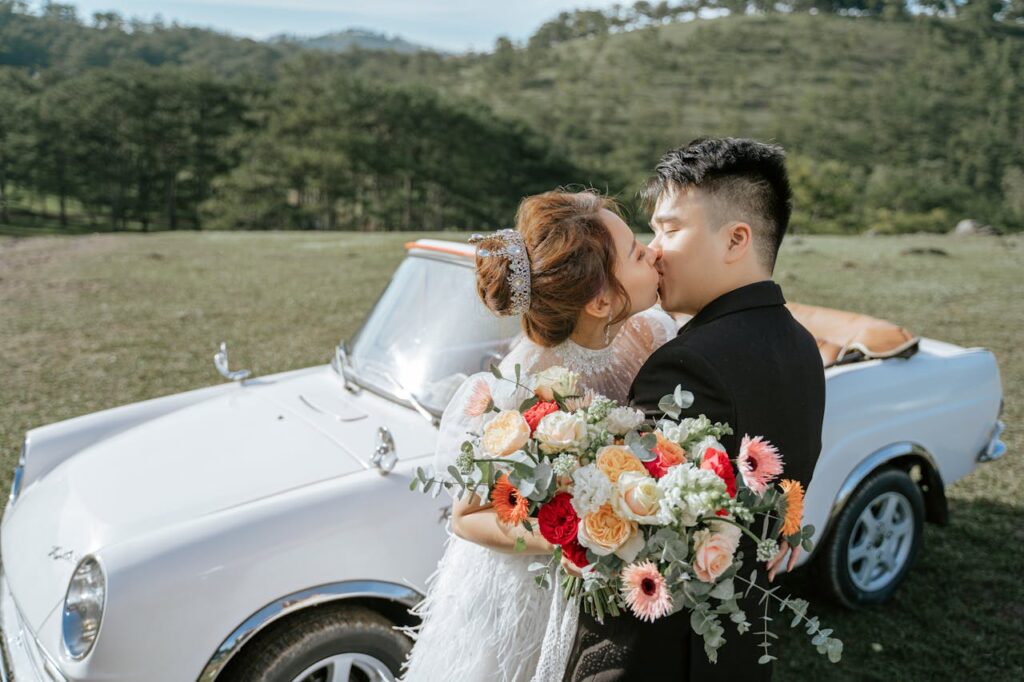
{"x":263,"y":528}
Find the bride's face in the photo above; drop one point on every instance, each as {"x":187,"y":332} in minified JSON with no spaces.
{"x":634,"y":264}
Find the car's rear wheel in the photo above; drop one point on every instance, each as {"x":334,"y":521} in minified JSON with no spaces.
{"x":874,"y":541}
{"x":327,"y":644}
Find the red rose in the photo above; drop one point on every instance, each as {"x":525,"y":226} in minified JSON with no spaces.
{"x":575,"y":552}
{"x":718,"y":461}
{"x":557,"y":520}
{"x":538,"y":412}
{"x":654,"y":467}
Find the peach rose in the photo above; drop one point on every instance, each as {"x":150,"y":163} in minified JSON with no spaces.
{"x":505,"y":434}
{"x":713,"y":550}
{"x":604,"y":532}
{"x":613,"y":460}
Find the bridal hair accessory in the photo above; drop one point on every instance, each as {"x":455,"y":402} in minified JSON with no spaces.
{"x":519,"y":266}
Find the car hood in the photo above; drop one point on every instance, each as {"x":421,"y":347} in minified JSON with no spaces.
{"x":265,"y":438}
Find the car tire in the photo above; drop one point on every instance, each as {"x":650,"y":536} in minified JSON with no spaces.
{"x":875,"y":540}
{"x":308,"y":645}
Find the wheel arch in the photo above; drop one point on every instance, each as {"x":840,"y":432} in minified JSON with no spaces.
{"x":916,"y":461}
{"x":388,"y":599}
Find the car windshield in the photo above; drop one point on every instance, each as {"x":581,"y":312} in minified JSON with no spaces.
{"x":427,"y":333}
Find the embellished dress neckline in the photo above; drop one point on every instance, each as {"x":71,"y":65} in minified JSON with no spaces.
{"x":585,"y":361}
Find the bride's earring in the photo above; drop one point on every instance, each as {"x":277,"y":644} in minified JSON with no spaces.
{"x":608,"y":330}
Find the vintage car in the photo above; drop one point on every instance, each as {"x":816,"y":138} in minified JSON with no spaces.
{"x":263,"y":528}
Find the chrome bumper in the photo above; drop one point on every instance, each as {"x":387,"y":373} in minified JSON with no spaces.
{"x":996,"y":448}
{"x":22,"y":658}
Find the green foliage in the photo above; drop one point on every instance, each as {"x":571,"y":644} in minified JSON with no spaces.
{"x":891,"y":117}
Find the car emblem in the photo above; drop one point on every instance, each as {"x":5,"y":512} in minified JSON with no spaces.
{"x":58,"y":553}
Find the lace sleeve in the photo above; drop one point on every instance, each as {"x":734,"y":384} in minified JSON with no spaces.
{"x":467,"y":414}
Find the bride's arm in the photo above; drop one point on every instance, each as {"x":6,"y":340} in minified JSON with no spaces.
{"x":479,"y":523}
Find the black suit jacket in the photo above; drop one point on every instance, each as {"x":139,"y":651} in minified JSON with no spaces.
{"x":749,"y":363}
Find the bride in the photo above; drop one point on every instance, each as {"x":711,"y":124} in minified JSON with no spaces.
{"x":584,"y":287}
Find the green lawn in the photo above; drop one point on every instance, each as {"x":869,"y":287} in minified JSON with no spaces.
{"x":89,"y":322}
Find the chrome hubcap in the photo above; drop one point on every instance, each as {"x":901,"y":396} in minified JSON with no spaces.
{"x":880,"y":542}
{"x":346,"y":668}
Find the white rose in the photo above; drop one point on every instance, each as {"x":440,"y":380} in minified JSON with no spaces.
{"x":638,"y":498}
{"x":697,"y":453}
{"x":560,"y":431}
{"x":621,"y":420}
{"x":555,"y":380}
{"x":671,"y":431}
{"x":505,"y":434}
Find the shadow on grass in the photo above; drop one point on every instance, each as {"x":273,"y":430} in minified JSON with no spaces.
{"x":959,"y":614}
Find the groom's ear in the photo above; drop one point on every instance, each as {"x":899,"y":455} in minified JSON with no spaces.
{"x":740,"y":241}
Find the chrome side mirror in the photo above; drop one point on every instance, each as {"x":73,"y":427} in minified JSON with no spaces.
{"x":220,"y":361}
{"x":384,"y":457}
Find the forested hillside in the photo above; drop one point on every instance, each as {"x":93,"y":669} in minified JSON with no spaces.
{"x":893,"y":121}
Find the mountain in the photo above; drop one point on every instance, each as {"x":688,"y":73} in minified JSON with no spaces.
{"x":351,"y":39}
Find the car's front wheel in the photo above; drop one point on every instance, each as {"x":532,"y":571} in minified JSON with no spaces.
{"x":874,"y":541}
{"x":327,"y":644}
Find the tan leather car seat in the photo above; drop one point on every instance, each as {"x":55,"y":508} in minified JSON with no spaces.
{"x":844,"y":337}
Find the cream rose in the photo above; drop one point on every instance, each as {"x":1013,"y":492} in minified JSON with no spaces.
{"x":614,"y":460}
{"x":713,"y":550}
{"x":605,"y":532}
{"x":638,"y":498}
{"x":505,"y":434}
{"x":560,"y":431}
{"x":555,"y":380}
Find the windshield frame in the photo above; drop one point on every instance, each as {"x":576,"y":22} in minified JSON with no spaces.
{"x":342,"y":365}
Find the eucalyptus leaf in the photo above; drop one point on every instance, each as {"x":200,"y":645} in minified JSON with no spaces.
{"x":668,"y":405}
{"x":683,"y":399}
{"x":496,"y":372}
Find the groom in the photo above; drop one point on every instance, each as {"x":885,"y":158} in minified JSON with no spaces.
{"x":721,"y":208}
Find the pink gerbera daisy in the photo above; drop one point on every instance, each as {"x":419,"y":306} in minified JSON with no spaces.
{"x":759,"y":462}
{"x":479,"y":400}
{"x":645,"y":591}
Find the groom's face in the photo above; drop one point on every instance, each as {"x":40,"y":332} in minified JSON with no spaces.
{"x":691,"y":251}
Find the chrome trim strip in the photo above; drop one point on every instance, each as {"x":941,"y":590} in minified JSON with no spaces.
{"x":995,"y":448}
{"x":864,"y":469}
{"x":300,"y":600}
{"x":19,"y":472}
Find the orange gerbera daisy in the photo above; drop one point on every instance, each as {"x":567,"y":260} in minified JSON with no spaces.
{"x":794,"y":493}
{"x":510,"y":506}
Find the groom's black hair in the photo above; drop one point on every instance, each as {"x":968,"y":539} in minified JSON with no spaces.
{"x":745,"y":179}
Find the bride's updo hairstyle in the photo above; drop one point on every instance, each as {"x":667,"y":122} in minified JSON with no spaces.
{"x":572,"y":259}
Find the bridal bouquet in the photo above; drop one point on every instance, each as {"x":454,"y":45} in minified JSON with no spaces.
{"x":651,"y":514}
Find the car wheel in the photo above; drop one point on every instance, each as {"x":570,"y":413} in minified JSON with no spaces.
{"x":327,"y":644}
{"x":875,"y":540}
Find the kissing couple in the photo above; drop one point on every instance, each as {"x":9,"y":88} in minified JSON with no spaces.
{"x":586,"y":292}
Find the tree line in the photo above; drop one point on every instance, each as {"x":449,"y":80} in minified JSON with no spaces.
{"x":895,"y":121}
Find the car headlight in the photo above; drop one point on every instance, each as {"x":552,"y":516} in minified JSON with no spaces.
{"x":18,"y":472}
{"x":83,"y":608}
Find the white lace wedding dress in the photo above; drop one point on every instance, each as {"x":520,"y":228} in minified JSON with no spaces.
{"x":484,"y":619}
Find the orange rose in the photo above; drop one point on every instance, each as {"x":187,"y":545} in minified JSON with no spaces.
{"x":613,"y":460}
{"x":605,"y":532}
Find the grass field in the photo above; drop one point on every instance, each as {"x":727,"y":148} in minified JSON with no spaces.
{"x":89,"y":322}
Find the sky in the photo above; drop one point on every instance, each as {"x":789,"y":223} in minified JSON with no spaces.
{"x":452,"y":25}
